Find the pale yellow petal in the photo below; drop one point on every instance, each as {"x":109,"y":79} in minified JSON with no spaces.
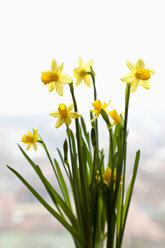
{"x":152,"y":71}
{"x":89,"y":64}
{"x":28,"y":147}
{"x":87,"y":81}
{"x":140,"y":64}
{"x":95,"y":111}
{"x":54,"y":65}
{"x":59,"y":122}
{"x":81,"y":63}
{"x":134,"y":85}
{"x":35,"y":146}
{"x":129,"y":77}
{"x":60,"y":68}
{"x":74,"y":115}
{"x":67,"y":120}
{"x":35,"y":130}
{"x":145,"y":84}
{"x":29,"y":133}
{"x":113,"y":123}
{"x":131,"y":66}
{"x":95,"y":118}
{"x":70,"y":107}
{"x":76,"y":72}
{"x":59,"y":88}
{"x":78,"y":81}
{"x":105,"y":105}
{"x":55,"y":114}
{"x":51,"y":86}
{"x":65,"y":79}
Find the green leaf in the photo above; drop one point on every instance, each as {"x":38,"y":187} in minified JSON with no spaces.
{"x":101,"y":241}
{"x":60,"y":218}
{"x":62,"y":184}
{"x":53,"y":194}
{"x":130,"y":189}
{"x":63,"y":163}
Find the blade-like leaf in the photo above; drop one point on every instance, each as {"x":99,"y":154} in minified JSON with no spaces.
{"x":47,"y":206}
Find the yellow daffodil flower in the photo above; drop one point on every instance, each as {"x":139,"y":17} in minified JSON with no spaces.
{"x":116,"y":118}
{"x":98,"y":106}
{"x":31,"y":139}
{"x":56,"y":78}
{"x":138,"y":75}
{"x":64,"y":113}
{"x":107,"y":175}
{"x":82,"y":72}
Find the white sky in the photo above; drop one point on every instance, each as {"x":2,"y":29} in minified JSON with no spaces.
{"x":110,"y":32}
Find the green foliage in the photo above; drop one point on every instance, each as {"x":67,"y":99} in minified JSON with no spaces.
{"x":101,"y":207}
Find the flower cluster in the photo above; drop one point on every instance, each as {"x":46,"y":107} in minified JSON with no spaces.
{"x":97,"y":181}
{"x":55,"y":78}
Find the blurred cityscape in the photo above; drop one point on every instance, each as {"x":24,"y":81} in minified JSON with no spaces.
{"x":24,"y":223}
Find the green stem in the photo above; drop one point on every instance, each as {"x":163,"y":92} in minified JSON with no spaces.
{"x":47,"y":153}
{"x":127,"y":96}
{"x":83,"y":181}
{"x":111,"y":151}
{"x":92,"y":73}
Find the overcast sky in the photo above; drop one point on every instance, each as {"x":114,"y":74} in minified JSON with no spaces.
{"x":110,"y":32}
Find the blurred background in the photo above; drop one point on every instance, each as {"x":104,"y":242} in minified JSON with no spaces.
{"x":110,"y":32}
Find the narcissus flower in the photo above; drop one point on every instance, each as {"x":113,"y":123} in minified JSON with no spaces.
{"x":107,"y":175}
{"x":116,"y":118}
{"x":82,"y":72}
{"x":64,"y":113}
{"x":56,"y":78}
{"x":138,"y":75}
{"x":31,"y":139}
{"x":98,"y":106}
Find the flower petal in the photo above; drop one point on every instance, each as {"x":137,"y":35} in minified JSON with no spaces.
{"x":59,"y":88}
{"x":87,"y":81}
{"x":140,"y":64}
{"x":29,"y":133}
{"x":95,"y":118}
{"x":74,"y":115}
{"x":145,"y":84}
{"x":81,"y":63}
{"x":78,"y":81}
{"x":89,"y":64}
{"x":55,"y":114}
{"x":67,"y":120}
{"x":28,"y":147}
{"x":131,"y":66}
{"x":129,"y":77}
{"x":95,"y":111}
{"x":54,"y":65}
{"x":152,"y":71}
{"x":134,"y":85}
{"x":70,"y":107}
{"x":65,"y":79}
{"x":59,"y":122}
{"x":105,"y":105}
{"x":51,"y":86}
{"x":60,"y":68}
{"x":35,"y":146}
{"x":76,"y":72}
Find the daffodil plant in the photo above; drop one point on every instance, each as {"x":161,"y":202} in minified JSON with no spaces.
{"x":97,"y":216}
